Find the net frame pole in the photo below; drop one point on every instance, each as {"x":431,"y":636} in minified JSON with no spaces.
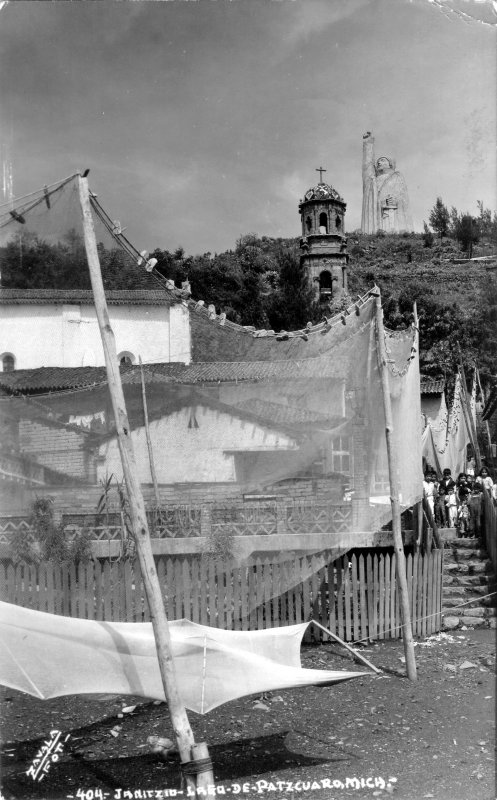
{"x":487,"y":426}
{"x":149,"y":440}
{"x":468,"y":416}
{"x":179,"y":718}
{"x":400,"y":560}
{"x":357,"y":656}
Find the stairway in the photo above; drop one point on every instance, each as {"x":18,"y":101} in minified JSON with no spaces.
{"x":468,"y":575}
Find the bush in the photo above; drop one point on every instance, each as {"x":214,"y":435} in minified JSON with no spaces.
{"x":46,"y":541}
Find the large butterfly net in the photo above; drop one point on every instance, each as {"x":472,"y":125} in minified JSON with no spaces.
{"x":261,"y":455}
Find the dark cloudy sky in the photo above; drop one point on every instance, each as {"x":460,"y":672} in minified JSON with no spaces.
{"x":204,"y":120}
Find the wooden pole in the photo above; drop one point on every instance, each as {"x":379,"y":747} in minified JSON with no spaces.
{"x":356,"y":655}
{"x":149,"y":440}
{"x":419,"y":523}
{"x":487,"y":426}
{"x":468,"y":416}
{"x":179,"y":718}
{"x":400,"y":562}
{"x":432,"y":524}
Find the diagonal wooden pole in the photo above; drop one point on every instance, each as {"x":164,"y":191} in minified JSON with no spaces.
{"x":189,"y":752}
{"x":400,"y":561}
{"x":358,"y":656}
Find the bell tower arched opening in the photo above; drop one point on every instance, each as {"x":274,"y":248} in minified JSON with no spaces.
{"x":325,"y":285}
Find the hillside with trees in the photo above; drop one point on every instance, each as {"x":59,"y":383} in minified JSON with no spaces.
{"x":260,"y":283}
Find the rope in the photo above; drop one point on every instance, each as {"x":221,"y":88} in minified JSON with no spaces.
{"x":197,"y":766}
{"x":17,"y":200}
{"x":420,"y":619}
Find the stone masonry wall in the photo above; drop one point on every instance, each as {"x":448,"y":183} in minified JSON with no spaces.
{"x":58,"y":448}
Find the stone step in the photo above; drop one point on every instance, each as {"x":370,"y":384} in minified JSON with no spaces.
{"x":490,"y":602}
{"x":479,"y":567}
{"x":487,"y":580}
{"x":450,"y":621}
{"x":482,"y":589}
{"x":457,"y":591}
{"x":453,"y":566}
{"x":464,"y":555}
{"x":474,"y":622}
{"x":469,"y":568}
{"x":452,"y":602}
{"x":467,"y":611}
{"x":466,"y":542}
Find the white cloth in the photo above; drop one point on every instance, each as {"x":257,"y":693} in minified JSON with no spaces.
{"x":47,"y":655}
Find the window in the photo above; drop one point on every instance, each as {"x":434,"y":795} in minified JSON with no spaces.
{"x":325,"y":284}
{"x":308,"y":224}
{"x":126,"y":358}
{"x":8,"y":362}
{"x":338,"y":222}
{"x":340,"y":454}
{"x":323,"y":223}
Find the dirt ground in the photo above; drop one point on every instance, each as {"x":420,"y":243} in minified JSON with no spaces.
{"x":429,"y":739}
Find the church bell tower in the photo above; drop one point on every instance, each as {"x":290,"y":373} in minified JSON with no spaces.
{"x":323,"y":244}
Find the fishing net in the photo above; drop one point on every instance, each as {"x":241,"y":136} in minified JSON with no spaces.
{"x":260,"y":452}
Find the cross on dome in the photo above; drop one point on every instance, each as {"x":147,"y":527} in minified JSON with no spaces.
{"x":321,"y":170}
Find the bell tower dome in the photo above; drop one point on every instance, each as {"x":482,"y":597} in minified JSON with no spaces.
{"x":323,"y":244}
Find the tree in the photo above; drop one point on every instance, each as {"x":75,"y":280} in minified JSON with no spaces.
{"x":454,"y":218}
{"x":427,"y":236}
{"x":485,"y":219}
{"x":292,"y":304}
{"x":467,"y":233}
{"x":439,"y":218}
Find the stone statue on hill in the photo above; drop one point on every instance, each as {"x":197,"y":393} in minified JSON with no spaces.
{"x":385,"y":202}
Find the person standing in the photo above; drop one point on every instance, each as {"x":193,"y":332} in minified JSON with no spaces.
{"x":475,"y":508}
{"x":429,"y":491}
{"x":446,"y":488}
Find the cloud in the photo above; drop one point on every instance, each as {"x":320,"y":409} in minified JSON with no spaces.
{"x":303,"y":19}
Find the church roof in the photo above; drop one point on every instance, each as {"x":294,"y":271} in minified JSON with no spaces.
{"x":323,"y":191}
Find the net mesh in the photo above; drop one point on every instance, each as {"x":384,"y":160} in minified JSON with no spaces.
{"x":248,"y":444}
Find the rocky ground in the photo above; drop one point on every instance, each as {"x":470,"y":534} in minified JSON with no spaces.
{"x":377,"y":736}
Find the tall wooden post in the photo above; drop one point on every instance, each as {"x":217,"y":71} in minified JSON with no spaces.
{"x":468,"y":416}
{"x":149,"y":440}
{"x":400,"y":562}
{"x":487,"y":426}
{"x":179,"y":718}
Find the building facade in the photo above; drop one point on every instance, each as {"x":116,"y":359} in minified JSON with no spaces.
{"x":59,"y":328}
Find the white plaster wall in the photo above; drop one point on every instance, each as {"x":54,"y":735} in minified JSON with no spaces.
{"x":68,"y":335}
{"x":434,"y":406}
{"x":193,"y":455}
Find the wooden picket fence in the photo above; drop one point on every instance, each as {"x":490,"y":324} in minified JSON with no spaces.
{"x":355,"y":596}
{"x":490,"y":526}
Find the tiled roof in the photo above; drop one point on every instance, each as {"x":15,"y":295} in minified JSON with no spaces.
{"x":432,"y":385}
{"x":286,"y":415}
{"x":235,"y":371}
{"x":150,"y":297}
{"x":52,"y":379}
{"x":61,"y":378}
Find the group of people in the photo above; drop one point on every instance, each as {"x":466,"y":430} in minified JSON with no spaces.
{"x":458,"y":503}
